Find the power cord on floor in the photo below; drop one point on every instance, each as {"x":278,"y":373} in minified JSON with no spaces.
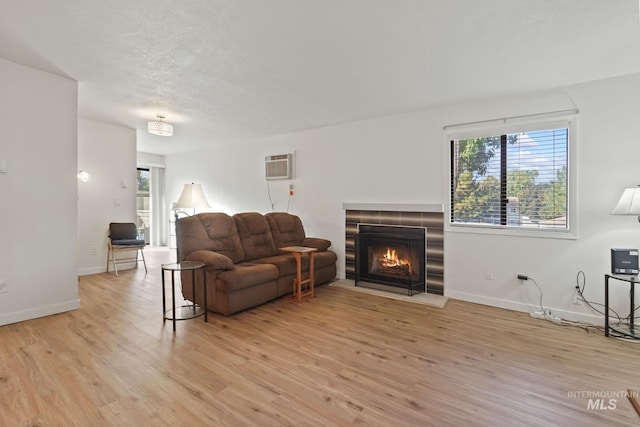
{"x":580,"y":286}
{"x":545,"y":313}
{"x":544,"y":310}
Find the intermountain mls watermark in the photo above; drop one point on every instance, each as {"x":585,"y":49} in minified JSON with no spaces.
{"x":602,"y":400}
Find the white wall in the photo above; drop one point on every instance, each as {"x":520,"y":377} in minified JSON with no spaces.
{"x":108,"y":153}
{"x":381,"y":160}
{"x":608,"y":152}
{"x":401,"y":159}
{"x":38,"y":242}
{"x":147,"y":160}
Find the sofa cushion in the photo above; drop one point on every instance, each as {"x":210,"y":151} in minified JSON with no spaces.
{"x":212,"y":231}
{"x":212,"y":260}
{"x":286,"y":263}
{"x":324,"y":259}
{"x":287,"y":229}
{"x":316,"y":242}
{"x":255,"y":235}
{"x":246,"y":275}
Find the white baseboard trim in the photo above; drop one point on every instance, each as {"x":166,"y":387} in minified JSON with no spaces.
{"x":593,"y":319}
{"x":91,"y":270}
{"x":33,"y":313}
{"x":102,"y":269}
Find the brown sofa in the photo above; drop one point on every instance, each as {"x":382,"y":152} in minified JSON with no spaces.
{"x":244,"y":267}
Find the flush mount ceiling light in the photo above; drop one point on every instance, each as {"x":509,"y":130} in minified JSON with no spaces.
{"x":159,"y":127}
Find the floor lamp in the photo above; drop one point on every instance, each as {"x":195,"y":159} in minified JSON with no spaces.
{"x":192,"y":197}
{"x":629,"y":203}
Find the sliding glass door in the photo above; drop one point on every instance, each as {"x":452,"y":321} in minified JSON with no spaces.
{"x":143,"y":205}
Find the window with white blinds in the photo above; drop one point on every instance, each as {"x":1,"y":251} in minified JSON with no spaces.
{"x":511,"y":180}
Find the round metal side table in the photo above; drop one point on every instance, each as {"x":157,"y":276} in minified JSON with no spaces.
{"x":177,"y":268}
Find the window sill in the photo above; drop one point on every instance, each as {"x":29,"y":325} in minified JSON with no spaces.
{"x":510,"y":231}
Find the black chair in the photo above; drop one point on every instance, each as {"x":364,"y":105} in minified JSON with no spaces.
{"x":123,"y":237}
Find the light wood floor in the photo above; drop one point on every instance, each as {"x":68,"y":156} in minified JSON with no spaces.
{"x":344,"y":358}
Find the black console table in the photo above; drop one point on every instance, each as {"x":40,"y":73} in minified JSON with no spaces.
{"x":625,"y":330}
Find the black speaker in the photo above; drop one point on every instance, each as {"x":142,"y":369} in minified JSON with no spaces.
{"x":624,"y":261}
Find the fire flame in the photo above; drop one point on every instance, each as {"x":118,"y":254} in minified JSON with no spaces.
{"x":390,"y":259}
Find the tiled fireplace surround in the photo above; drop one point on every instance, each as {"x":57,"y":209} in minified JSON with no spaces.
{"x":430,"y":217}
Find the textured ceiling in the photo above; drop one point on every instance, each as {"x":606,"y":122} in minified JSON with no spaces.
{"x":224,"y":71}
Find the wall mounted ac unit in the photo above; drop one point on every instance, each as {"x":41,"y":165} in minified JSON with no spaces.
{"x":278,"y":166}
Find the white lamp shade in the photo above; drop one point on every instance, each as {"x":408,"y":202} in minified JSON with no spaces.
{"x":629,"y":203}
{"x":192,"y":197}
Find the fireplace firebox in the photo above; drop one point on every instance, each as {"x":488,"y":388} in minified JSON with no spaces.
{"x":391,"y":256}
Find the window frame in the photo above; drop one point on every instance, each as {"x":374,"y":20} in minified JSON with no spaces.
{"x":506,"y":126}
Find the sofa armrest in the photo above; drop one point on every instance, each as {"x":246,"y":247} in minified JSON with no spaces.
{"x":213,"y":260}
{"x":315,"y":242}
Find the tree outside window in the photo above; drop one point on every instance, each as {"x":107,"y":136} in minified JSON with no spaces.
{"x":512,"y":180}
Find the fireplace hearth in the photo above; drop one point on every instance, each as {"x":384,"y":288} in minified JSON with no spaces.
{"x":430,"y":218}
{"x":392,"y":256}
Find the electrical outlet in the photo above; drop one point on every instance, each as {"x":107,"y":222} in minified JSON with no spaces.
{"x":3,"y":286}
{"x":577,"y":300}
{"x":488,"y":274}
{"x":93,"y":250}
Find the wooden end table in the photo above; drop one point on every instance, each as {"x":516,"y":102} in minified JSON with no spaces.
{"x":300,"y":292}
